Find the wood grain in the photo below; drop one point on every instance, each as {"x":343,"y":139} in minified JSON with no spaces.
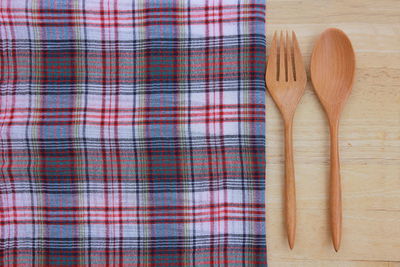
{"x":369,"y":141}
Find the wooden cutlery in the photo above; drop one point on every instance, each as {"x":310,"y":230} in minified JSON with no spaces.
{"x":332,"y":74}
{"x":286,"y":80}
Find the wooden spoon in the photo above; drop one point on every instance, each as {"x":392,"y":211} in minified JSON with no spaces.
{"x":332,"y":74}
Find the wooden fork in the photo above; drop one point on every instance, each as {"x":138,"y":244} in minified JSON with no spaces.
{"x":286,"y":81}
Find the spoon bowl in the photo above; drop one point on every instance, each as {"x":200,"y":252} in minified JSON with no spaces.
{"x":332,"y":69}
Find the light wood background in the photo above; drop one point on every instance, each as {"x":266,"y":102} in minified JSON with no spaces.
{"x":370,"y":141}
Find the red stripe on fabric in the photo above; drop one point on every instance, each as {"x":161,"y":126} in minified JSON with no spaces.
{"x":117,"y":215}
{"x":117,"y":147}
{"x":208,"y":130}
{"x":103,"y":124}
{"x":251,"y":249}
{"x":197,"y":151}
{"x":197,"y":77}
{"x":144,"y":122}
{"x":141,"y":54}
{"x":140,"y":208}
{"x":108,"y":223}
{"x":130,"y":25}
{"x":129,"y":110}
{"x":129,"y":11}
{"x":143,"y":17}
{"x":62,"y":177}
{"x":116,"y":117}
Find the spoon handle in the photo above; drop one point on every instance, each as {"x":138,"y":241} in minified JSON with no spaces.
{"x":290,"y":191}
{"x":336,"y":194}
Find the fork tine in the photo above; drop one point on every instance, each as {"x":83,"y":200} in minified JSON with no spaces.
{"x":272,"y":60}
{"x":300,"y":72}
{"x":289,"y":64}
{"x":282,"y":71}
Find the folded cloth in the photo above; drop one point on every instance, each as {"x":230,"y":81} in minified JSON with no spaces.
{"x":132,"y":132}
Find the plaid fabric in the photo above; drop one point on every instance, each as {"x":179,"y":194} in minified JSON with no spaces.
{"x":132,"y":132}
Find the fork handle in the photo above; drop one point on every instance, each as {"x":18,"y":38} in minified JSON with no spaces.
{"x":290,"y":191}
{"x":335,"y":186}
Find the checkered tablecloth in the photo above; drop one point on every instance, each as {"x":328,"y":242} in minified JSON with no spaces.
{"x":132,"y":132}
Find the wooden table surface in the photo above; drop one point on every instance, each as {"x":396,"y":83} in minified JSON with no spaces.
{"x":369,"y":140}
